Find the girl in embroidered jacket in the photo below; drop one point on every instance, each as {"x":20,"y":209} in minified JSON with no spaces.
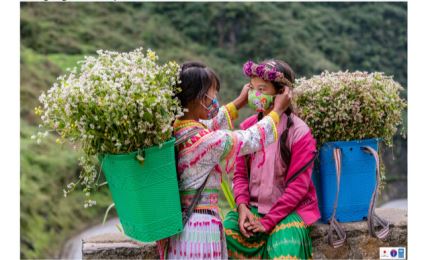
{"x":272,"y":220}
{"x":211,"y":142}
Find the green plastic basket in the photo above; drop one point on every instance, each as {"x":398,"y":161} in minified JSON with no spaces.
{"x":146,"y":196}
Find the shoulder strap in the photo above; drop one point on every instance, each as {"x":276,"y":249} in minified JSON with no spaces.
{"x":296,"y":174}
{"x":186,"y":214}
{"x":372,"y":218}
{"x":334,"y":225}
{"x":186,"y":136}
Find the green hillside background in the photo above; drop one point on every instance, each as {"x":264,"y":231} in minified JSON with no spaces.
{"x":312,"y":37}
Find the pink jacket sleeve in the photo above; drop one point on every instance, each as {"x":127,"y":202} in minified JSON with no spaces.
{"x":301,"y":153}
{"x":241,"y":182}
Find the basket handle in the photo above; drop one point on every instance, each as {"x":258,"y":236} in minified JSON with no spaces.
{"x":334,"y":225}
{"x":372,"y":218}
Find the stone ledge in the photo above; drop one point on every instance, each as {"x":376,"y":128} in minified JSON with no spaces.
{"x":359,"y":244}
{"x":117,"y":246}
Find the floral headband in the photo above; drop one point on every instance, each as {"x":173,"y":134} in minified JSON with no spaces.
{"x":266,"y":71}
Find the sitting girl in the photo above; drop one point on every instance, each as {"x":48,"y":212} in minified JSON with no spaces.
{"x":273,"y":187}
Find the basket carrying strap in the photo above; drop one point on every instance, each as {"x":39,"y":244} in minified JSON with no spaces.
{"x":187,"y":136}
{"x":300,"y":171}
{"x":187,"y":212}
{"x":374,"y":220}
{"x":334,"y":225}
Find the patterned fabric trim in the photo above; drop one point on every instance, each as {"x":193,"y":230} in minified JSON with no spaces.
{"x":274,"y":128}
{"x":274,"y":116}
{"x":207,"y":199}
{"x":195,"y":144}
{"x":288,"y":242}
{"x":194,"y":139}
{"x":229,"y":151}
{"x":228,"y":118}
{"x":295,"y":224}
{"x":180,"y":126}
{"x":263,"y":141}
{"x":237,"y":255}
{"x":239,"y":238}
{"x":187,"y":192}
{"x":232,"y":110}
{"x":288,"y":257}
{"x":201,"y":238}
{"x":275,"y":131}
{"x":230,"y":143}
{"x":211,"y":207}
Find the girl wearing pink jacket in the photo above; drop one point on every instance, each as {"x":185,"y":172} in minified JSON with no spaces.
{"x":273,"y":188}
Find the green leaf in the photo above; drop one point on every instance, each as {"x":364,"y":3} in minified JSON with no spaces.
{"x":228,"y":194}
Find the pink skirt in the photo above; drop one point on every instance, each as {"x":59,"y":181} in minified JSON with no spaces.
{"x":202,"y":238}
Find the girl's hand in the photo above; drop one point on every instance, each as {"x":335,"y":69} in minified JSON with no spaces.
{"x":256,"y":226}
{"x":242,"y":99}
{"x":245,"y":216}
{"x":282,"y":101}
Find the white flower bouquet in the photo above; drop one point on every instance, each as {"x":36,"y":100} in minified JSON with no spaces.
{"x":344,"y":106}
{"x":113,"y":103}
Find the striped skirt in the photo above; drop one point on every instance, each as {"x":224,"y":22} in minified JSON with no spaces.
{"x":288,"y":240}
{"x":202,"y":238}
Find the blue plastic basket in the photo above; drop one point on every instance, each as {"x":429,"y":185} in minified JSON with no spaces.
{"x":357,"y":181}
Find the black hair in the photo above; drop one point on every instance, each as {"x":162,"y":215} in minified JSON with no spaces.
{"x":285,"y":68}
{"x":195,"y":81}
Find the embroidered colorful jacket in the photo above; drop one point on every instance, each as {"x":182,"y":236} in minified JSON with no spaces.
{"x":265,"y":186}
{"x":200,"y":156}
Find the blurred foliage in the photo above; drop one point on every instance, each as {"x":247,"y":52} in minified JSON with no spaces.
{"x":312,"y":37}
{"x":47,"y":218}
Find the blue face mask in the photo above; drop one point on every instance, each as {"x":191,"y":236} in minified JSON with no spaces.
{"x":213,"y":108}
